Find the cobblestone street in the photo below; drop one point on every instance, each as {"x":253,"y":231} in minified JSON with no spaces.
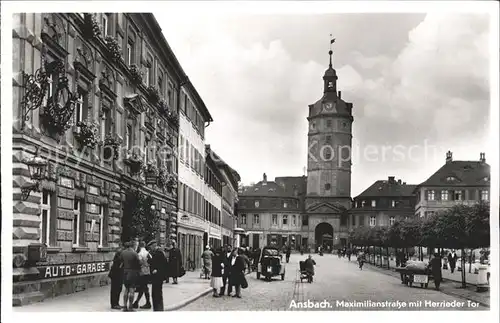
{"x":335,"y":280}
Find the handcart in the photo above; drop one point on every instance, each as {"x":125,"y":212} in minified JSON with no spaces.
{"x":304,"y":274}
{"x":410,"y":276}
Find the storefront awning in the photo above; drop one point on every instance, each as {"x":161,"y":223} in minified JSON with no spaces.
{"x":254,"y":232}
{"x":239,"y":230}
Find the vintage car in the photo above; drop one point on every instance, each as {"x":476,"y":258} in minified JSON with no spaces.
{"x":270,"y":264}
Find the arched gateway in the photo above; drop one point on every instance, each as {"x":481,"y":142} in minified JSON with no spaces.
{"x":323,"y":235}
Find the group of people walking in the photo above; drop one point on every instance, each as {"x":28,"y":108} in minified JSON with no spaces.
{"x":226,"y":268}
{"x":137,"y":265}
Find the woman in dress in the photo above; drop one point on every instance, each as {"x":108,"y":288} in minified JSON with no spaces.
{"x":217,"y":271}
{"x":144,"y":276}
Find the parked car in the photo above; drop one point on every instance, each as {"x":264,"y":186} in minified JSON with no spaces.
{"x":270,"y":264}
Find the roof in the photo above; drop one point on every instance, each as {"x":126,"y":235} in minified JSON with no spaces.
{"x":264,"y":188}
{"x":231,"y":173}
{"x":200,"y":105}
{"x":463,"y":173}
{"x":290,"y":183}
{"x":388,"y":188}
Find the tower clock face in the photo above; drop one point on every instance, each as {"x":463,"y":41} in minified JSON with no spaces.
{"x":330,"y":106}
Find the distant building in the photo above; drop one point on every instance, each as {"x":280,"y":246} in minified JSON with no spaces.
{"x":270,"y":212}
{"x":230,"y":179}
{"x":214,"y":180}
{"x":383,"y":203}
{"x":456,"y":182}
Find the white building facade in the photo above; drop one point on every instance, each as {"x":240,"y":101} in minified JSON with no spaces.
{"x":192,"y":225}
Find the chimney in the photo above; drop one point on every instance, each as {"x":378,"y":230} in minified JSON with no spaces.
{"x":482,"y":157}
{"x":404,"y":183}
{"x":449,"y":157}
{"x":399,"y":181}
{"x":264,"y":178}
{"x":391,"y":179}
{"x":340,"y":94}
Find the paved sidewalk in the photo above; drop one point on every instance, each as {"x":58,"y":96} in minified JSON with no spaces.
{"x":96,"y":299}
{"x":450,"y":287}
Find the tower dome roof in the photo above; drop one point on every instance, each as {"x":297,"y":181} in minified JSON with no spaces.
{"x":330,"y":72}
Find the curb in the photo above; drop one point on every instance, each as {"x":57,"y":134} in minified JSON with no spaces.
{"x":384,"y":271}
{"x":189,"y":300}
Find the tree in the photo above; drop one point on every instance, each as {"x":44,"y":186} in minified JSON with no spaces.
{"x":139,"y":220}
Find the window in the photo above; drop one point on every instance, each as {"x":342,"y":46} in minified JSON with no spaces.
{"x":328,"y":154}
{"x":328,"y":186}
{"x":392,"y":220}
{"x":457,"y":196}
{"x":160,"y":83}
{"x":393,"y":203}
{"x":101,"y":225}
{"x":450,"y":178}
{"x":353,"y":220}
{"x":76,"y":222}
{"x":188,"y":150}
{"x":130,"y":52}
{"x":294,"y":220}
{"x":181,"y":148}
{"x":373,"y":221}
{"x":285,"y":205}
{"x":363,"y":203}
{"x":51,"y":86}
{"x":285,"y":219}
{"x":170,"y":94}
{"x":46,"y":218}
{"x":484,"y":195}
{"x":274,"y":218}
{"x":374,"y":203}
{"x":257,"y":203}
{"x":105,"y":24}
{"x":431,"y":195}
{"x":305,"y":220}
{"x":329,"y":123}
{"x":328,"y":139}
{"x":243,"y":219}
{"x":256,"y":219}
{"x":444,"y":195}
{"x":79,"y":109}
{"x":356,"y":204}
{"x":130,"y":136}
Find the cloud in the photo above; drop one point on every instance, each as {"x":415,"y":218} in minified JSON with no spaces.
{"x":430,"y":83}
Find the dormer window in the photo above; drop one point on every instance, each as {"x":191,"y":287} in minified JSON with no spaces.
{"x":256,"y":189}
{"x":451,"y":179}
{"x":486,"y":179}
{"x":257,"y":203}
{"x":285,"y":205}
{"x":363,"y":203}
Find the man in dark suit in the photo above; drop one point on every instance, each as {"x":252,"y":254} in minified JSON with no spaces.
{"x":116,"y":276}
{"x":226,"y":261}
{"x":452,"y":260}
{"x":158,"y":265}
{"x":237,"y":271}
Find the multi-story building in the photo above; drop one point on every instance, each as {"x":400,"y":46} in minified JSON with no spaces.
{"x":212,"y":195}
{"x":456,"y":182}
{"x":192,"y":225}
{"x":271,"y":213}
{"x":96,"y":95}
{"x":383,"y":203}
{"x":230,"y":179}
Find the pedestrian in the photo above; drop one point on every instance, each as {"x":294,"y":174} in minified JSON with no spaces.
{"x":237,"y":271}
{"x":361,"y":260}
{"x":216,"y":273}
{"x":131,"y":269}
{"x":144,"y":276}
{"x":348,"y":254}
{"x":207,"y":256}
{"x":452,"y":260}
{"x":226,"y":260}
{"x":175,"y":262}
{"x":435,"y":266}
{"x":288,"y":252}
{"x":116,"y":276}
{"x":158,"y":266}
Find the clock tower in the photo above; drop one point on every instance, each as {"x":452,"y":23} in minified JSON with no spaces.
{"x":329,"y":164}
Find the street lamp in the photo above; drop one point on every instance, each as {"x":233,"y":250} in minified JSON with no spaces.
{"x":36,"y":166}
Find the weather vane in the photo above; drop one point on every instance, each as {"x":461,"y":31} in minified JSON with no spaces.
{"x":332,"y":40}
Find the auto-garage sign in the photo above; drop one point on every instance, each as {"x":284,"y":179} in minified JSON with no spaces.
{"x":57,"y":271}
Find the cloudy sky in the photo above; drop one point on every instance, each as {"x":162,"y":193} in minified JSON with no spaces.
{"x":415,"y":80}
